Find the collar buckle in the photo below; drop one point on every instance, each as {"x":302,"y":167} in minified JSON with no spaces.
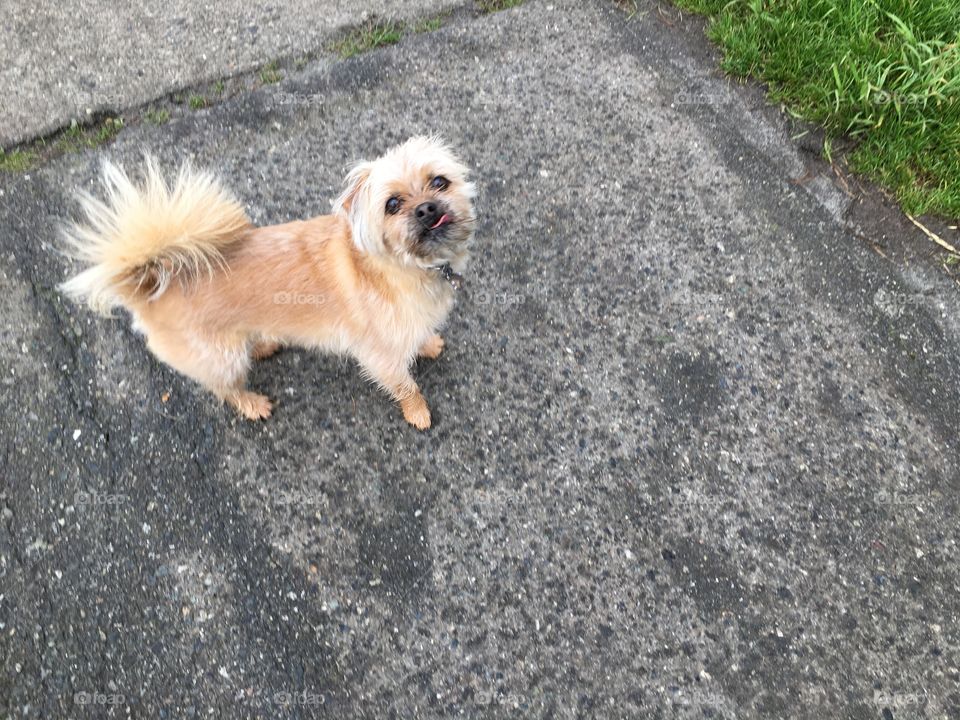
{"x":447,"y":273}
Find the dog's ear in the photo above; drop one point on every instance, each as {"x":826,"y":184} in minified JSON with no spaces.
{"x":354,"y":185}
{"x":352,"y":204}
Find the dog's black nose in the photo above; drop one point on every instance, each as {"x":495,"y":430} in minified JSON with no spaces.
{"x":428,"y":213}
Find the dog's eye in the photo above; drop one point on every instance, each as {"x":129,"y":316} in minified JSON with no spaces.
{"x":393,"y":206}
{"x":439,"y":183}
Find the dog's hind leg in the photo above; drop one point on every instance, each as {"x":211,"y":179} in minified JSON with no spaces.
{"x":431,"y":348}
{"x":220,"y":363}
{"x":262,"y":349}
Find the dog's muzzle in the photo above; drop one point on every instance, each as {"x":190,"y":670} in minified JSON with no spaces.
{"x":432,"y":216}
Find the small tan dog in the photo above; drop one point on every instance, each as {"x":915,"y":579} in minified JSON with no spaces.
{"x":211,"y":292}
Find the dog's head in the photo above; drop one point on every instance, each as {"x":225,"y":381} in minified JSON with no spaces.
{"x":414,"y":204}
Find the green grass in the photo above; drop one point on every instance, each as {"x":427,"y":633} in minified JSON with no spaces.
{"x":270,"y":73}
{"x":885,"y":73}
{"x":76,"y":138}
{"x":430,"y":24}
{"x":367,"y":38}
{"x":382,"y":33}
{"x":157,"y":117}
{"x":197,"y":102}
{"x":628,"y":6}
{"x":70,"y":140}
{"x":490,"y":6}
{"x":16,"y":161}
{"x":108,"y":130}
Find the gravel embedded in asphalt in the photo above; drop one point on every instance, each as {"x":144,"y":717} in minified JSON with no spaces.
{"x":694,"y":451}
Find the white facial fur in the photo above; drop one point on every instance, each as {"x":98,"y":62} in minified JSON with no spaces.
{"x":403,"y":172}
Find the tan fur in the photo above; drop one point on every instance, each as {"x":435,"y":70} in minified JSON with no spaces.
{"x":211,"y":292}
{"x":431,"y":348}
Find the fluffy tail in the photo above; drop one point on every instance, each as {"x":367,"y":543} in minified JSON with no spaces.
{"x":140,"y":237}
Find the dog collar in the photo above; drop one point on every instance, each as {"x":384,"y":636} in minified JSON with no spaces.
{"x":447,"y":273}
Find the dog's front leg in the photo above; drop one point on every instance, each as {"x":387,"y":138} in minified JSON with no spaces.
{"x":396,"y":379}
{"x":413,"y":404}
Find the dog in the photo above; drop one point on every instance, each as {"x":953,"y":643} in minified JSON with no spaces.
{"x":211,"y":293}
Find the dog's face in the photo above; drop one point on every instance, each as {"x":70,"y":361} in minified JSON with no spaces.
{"x":414,"y":204}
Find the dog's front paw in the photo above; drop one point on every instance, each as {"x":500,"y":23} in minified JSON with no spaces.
{"x":251,"y":405}
{"x":416,"y":412}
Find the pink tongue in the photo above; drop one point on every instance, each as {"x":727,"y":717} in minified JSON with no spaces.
{"x":442,"y":221}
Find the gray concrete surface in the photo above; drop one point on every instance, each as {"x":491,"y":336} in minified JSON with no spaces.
{"x":67,"y":60}
{"x":695,"y":451}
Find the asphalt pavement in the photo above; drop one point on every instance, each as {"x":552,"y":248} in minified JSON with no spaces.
{"x":695,"y":444}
